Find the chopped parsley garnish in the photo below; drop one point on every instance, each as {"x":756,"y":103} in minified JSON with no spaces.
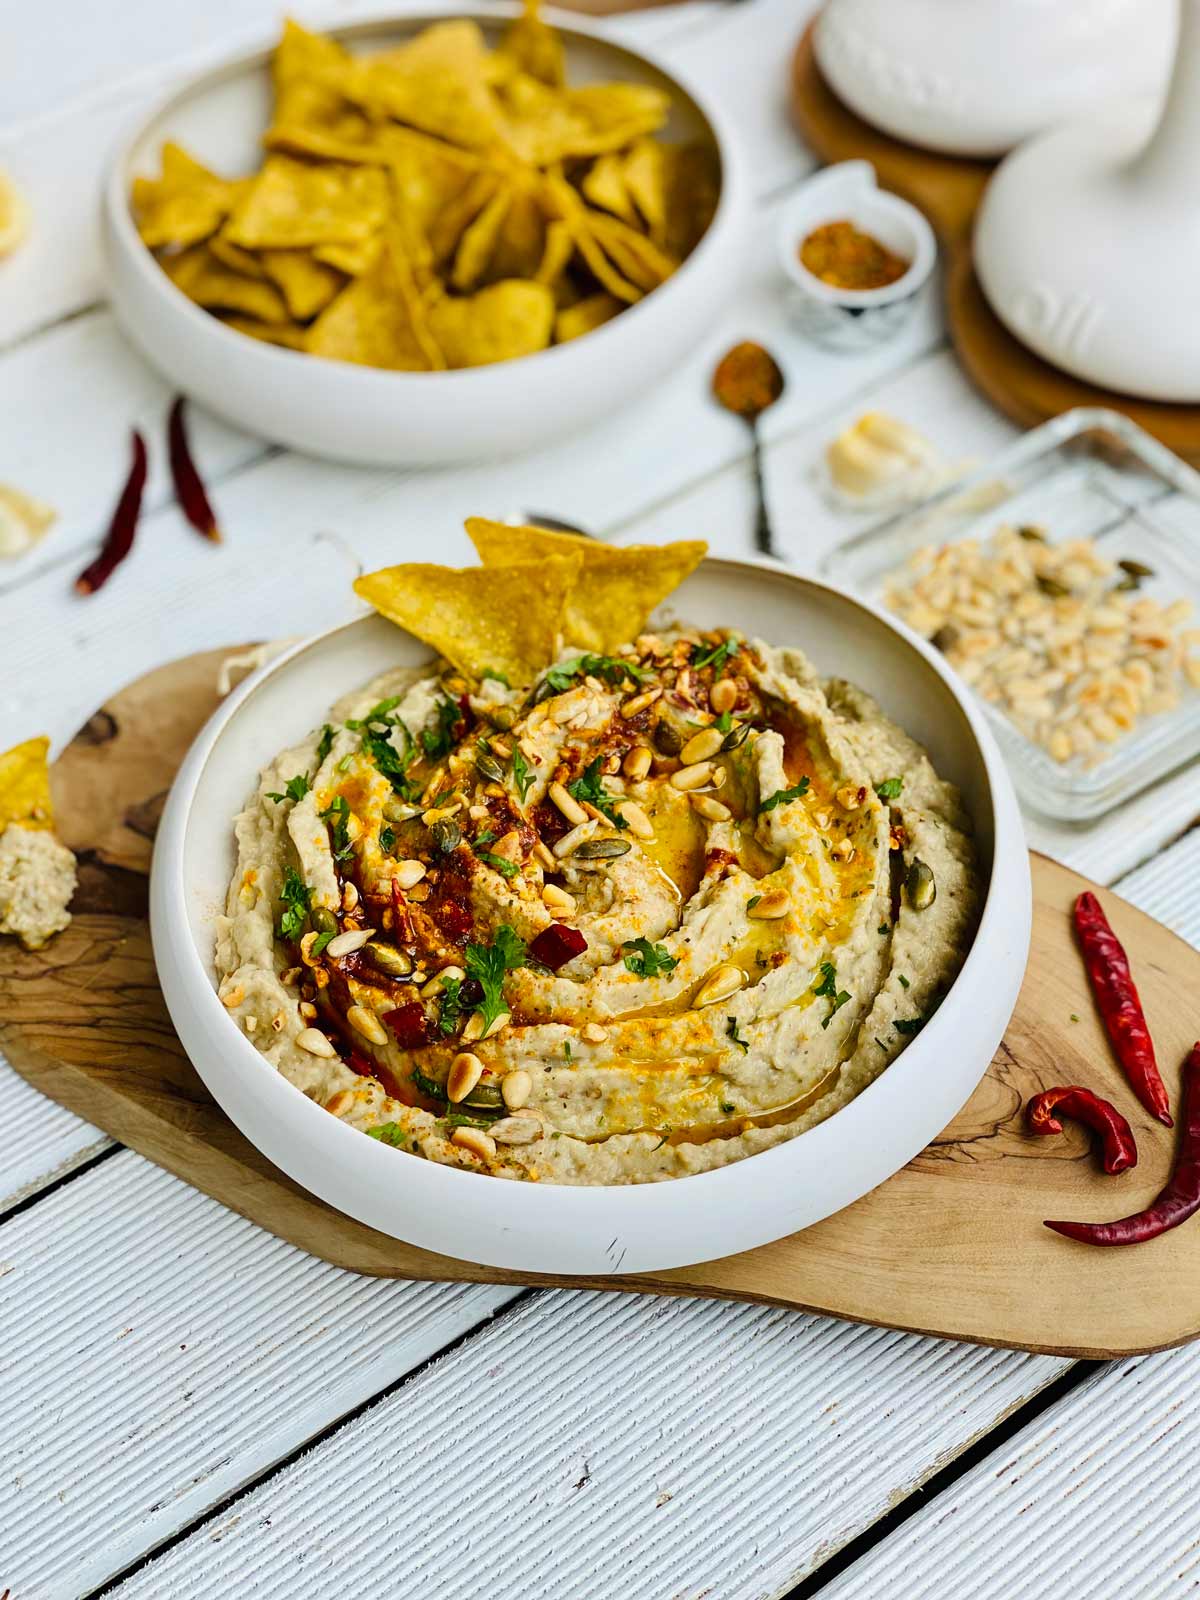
{"x":884,"y":929}
{"x":496,"y":677}
{"x":782,"y":796}
{"x":731,"y":1032}
{"x":663,"y":1140}
{"x":753,"y":901}
{"x":716,"y":657}
{"x":827,"y":989}
{"x":391,"y":762}
{"x":588,"y":786}
{"x":908,"y":1025}
{"x":296,"y":897}
{"x":467,"y":1119}
{"x":646,"y":960}
{"x":890,"y":788}
{"x":324,"y":743}
{"x":567,"y":1050}
{"x":387,"y":839}
{"x":294,"y":789}
{"x":337,"y":814}
{"x":450,"y":1009}
{"x":387,"y":1133}
{"x":1074,"y":1017}
{"x":904,"y":984}
{"x":724,"y":722}
{"x":728,"y":1107}
{"x":488,"y":964}
{"x":522,"y":774}
{"x":613,"y":669}
{"x":321,"y":941}
{"x":506,"y":869}
{"x":377,"y":713}
{"x":440,"y":739}
{"x":429,"y":1087}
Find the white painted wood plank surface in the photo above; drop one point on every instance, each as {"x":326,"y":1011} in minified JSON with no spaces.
{"x":159,"y":1352}
{"x":588,"y":1446}
{"x":41,"y":1141}
{"x":1096,"y":1501}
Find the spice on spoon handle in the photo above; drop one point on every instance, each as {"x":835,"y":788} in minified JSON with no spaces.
{"x":1119,"y":1147}
{"x":1177,"y":1201}
{"x":1116,"y":995}
{"x":118,"y":541}
{"x":189,"y":486}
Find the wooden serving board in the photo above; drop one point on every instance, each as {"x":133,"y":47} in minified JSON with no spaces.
{"x":952,"y":1245}
{"x":948,"y":190}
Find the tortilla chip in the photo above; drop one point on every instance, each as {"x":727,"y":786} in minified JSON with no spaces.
{"x":506,"y":320}
{"x":579,"y":223}
{"x":604,"y":185}
{"x":521,"y":241}
{"x":535,"y":48}
{"x":291,"y":205}
{"x":204,"y":279}
{"x":437,"y":82}
{"x":479,"y":241}
{"x":352,"y":259}
{"x":308,"y":285}
{"x":25,"y":785}
{"x":619,"y":586}
{"x":693,"y":186}
{"x":314,"y":114}
{"x":428,"y":176}
{"x":506,"y":617}
{"x":558,"y":250}
{"x":584,"y":315}
{"x":237,"y":259}
{"x":378,"y":320}
{"x":634,"y":256}
{"x":448,"y":226}
{"x":287,"y":335}
{"x":187,"y":204}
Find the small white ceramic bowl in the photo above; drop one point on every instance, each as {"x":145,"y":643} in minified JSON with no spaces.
{"x":853,"y":319}
{"x":632,"y":1228}
{"x":363,"y":414}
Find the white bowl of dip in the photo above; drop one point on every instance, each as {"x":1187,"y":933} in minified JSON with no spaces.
{"x":528,"y":1227}
{"x":365,"y":414}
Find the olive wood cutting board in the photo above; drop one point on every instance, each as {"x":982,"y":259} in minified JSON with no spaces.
{"x":952,"y":1245}
{"x":948,"y":190}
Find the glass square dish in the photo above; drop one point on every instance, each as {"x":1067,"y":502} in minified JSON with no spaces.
{"x":1089,"y":474}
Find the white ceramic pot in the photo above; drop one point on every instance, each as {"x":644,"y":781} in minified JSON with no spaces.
{"x":1087,"y":245}
{"x":633,"y":1228}
{"x":975,"y":77}
{"x":362,"y":414}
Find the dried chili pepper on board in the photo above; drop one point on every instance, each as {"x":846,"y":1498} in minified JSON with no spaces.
{"x":189,"y":486}
{"x":1117,"y":999}
{"x":1181,"y":1195}
{"x":1119,"y":1148}
{"x":118,"y":541}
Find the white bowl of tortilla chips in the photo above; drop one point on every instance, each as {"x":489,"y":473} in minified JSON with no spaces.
{"x":394,"y":244}
{"x":452,"y":1192}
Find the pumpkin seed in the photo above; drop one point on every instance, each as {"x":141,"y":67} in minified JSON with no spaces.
{"x":602,"y":849}
{"x":1052,"y":587}
{"x":667,"y":740}
{"x":447,"y":835}
{"x":484,"y":1097}
{"x":387,"y":959}
{"x":1136,"y":569}
{"x":736,"y":736}
{"x":487,"y":766}
{"x":323,"y":920}
{"x":919,"y":885}
{"x":946,"y":637}
{"x":1032,"y":534}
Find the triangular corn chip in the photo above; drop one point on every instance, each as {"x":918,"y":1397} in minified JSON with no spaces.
{"x":25,"y":785}
{"x":619,"y":585}
{"x":507,"y":619}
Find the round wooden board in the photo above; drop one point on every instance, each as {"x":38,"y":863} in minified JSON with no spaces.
{"x":948,"y":190}
{"x":952,"y":1245}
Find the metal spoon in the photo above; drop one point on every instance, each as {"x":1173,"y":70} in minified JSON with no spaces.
{"x":748,"y":382}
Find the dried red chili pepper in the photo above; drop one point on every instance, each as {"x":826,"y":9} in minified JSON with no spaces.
{"x":1117,"y":999}
{"x":1120,"y":1150}
{"x":410,"y":1025}
{"x":1181,"y":1196}
{"x":118,"y":541}
{"x":189,"y":486}
{"x":556,"y":945}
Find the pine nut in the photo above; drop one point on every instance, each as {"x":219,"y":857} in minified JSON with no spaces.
{"x":315,"y":1042}
{"x":567,"y":804}
{"x":693,"y":777}
{"x":639,"y":702}
{"x":473,"y":1028}
{"x":571,"y":841}
{"x":701,"y":746}
{"x":476,"y":1141}
{"x":465,"y":1072}
{"x":495,"y":1025}
{"x":769,"y":906}
{"x":543,"y":853}
{"x":251,"y":1023}
{"x":723,"y":982}
{"x":367,"y":1023}
{"x":517,"y":1130}
{"x":349,"y":896}
{"x":306,"y":1009}
{"x":306,"y":945}
{"x":712,"y":810}
{"x":408,"y":873}
{"x":843,"y":851}
{"x":558,"y":900}
{"x":515,"y":1088}
{"x":723,"y":695}
{"x":593,"y":1033}
{"x":636,"y":819}
{"x":637,"y":763}
{"x":344,"y":944}
{"x":337,"y":1105}
{"x":440,"y":979}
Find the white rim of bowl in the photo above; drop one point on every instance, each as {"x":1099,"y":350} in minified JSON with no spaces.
{"x":640,"y":1197}
{"x":120,"y":218}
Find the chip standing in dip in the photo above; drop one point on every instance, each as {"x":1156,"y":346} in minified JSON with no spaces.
{"x":652,"y":904}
